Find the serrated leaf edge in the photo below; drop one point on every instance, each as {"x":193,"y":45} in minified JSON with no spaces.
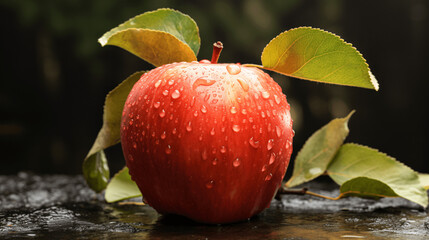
{"x":103,"y":41}
{"x":371,"y":76}
{"x":385,"y":155}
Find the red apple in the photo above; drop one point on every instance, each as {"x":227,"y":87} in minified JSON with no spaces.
{"x":208,"y":141}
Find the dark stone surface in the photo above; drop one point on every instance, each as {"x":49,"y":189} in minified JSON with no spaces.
{"x":62,"y":207}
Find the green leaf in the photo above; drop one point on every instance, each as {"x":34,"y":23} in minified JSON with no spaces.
{"x":317,"y":55}
{"x":356,"y":161}
{"x":366,"y":187}
{"x":121,"y":187}
{"x":424,"y":180}
{"x":159,"y":37}
{"x":318,"y":151}
{"x":95,"y":169}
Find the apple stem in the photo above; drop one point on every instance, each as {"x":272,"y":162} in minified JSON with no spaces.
{"x":303,"y":191}
{"x":217,"y":48}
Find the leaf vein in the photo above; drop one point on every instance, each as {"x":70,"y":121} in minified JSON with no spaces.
{"x":315,"y":57}
{"x":293,"y":43}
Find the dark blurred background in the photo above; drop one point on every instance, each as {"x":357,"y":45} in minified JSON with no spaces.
{"x":54,"y":75}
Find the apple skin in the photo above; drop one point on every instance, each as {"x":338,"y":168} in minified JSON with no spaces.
{"x":210,"y":142}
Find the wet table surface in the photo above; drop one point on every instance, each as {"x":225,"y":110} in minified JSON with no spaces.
{"x":62,"y":207}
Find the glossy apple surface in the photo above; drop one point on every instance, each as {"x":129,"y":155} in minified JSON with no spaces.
{"x":211,"y":142}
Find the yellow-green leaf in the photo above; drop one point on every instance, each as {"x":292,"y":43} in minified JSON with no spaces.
{"x":318,"y":151}
{"x":159,"y":37}
{"x":317,"y":55}
{"x":424,"y":180}
{"x":121,"y":187}
{"x":95,"y":169}
{"x":155,"y":47}
{"x":356,"y":161}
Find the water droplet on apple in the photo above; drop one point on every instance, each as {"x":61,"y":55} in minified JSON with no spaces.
{"x":263,"y":114}
{"x":256,"y":96}
{"x":268,"y":177}
{"x":210,"y":184}
{"x":235,"y":128}
{"x":157,"y":83}
{"x":163,"y":135}
{"x":165,"y":92}
{"x":156,"y":104}
{"x":202,"y":82}
{"x":189,"y":127}
{"x":174,"y":131}
{"x":212,"y":132}
{"x":223,"y":149}
{"x":274,"y":112}
{"x":196,"y":113}
{"x":130,"y":157}
{"x":207,"y":97}
{"x":233,"y":69}
{"x":233,"y":110}
{"x":214,"y":162}
{"x":171,"y":82}
{"x":168,"y":149}
{"x":205,"y":61}
{"x":192,"y":101}
{"x":265,"y":95}
{"x":272,"y":158}
{"x":203,"y":109}
{"x":288,"y":144}
{"x":244,"y":111}
{"x":134,"y":145}
{"x":243,"y":84}
{"x":277,"y":99}
{"x":253,"y":143}
{"x":236,"y":162}
{"x":270,"y":144}
{"x":162,"y":113}
{"x":204,"y":155}
{"x":175,"y":94}
{"x":278,"y":131}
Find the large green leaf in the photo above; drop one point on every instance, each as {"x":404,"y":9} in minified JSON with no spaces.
{"x":318,"y":151}
{"x":121,"y":187}
{"x":159,"y":37}
{"x":354,"y":161}
{"x":95,"y":169}
{"x":317,"y":55}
